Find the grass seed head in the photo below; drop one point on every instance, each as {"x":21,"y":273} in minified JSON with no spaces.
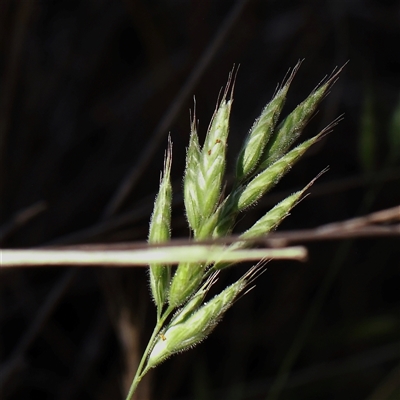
{"x":263,"y":160}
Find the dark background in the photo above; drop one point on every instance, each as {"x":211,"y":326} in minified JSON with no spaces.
{"x":87,"y":86}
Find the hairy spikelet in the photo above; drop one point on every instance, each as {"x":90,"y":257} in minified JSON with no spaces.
{"x":212,"y":160}
{"x":265,"y":180}
{"x":190,"y":185}
{"x":261,"y":131}
{"x":194,"y":302}
{"x":208,"y":226}
{"x":265,"y":224}
{"x":189,"y":331}
{"x":247,"y":195}
{"x":160,"y":275}
{"x":292,"y":126}
{"x":185,"y":282}
{"x":273,"y":217}
{"x":205,"y":167}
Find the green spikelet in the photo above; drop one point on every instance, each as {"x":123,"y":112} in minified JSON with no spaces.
{"x":264,"y":181}
{"x":247,"y":195}
{"x":185,"y":282}
{"x":265,"y":224}
{"x":194,"y":302}
{"x":274,"y":217}
{"x":261,"y":131}
{"x":190,"y":185}
{"x":160,"y":275}
{"x":212,"y":160}
{"x":189,"y":331}
{"x":292,"y":126}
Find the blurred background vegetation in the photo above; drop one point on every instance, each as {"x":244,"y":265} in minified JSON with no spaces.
{"x":89,"y":91}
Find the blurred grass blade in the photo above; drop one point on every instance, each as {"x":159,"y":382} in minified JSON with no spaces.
{"x":394,"y":135}
{"x":367,"y":142}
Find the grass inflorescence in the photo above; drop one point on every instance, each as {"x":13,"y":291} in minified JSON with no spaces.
{"x":184,"y":317}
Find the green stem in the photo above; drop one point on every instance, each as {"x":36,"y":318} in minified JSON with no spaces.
{"x":140,"y":373}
